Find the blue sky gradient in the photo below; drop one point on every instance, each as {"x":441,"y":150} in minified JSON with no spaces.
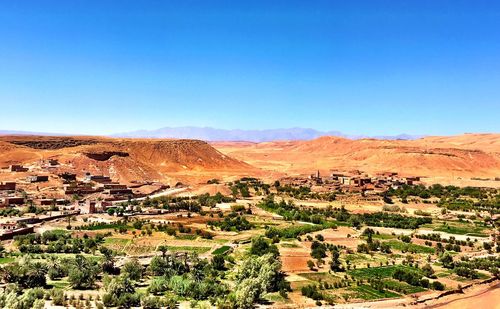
{"x":360,"y":67}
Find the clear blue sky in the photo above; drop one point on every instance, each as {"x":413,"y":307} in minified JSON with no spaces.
{"x":361,"y":67}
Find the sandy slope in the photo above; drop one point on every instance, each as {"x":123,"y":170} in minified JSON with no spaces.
{"x":469,"y":155}
{"x":479,"y":297}
{"x":125,"y":159}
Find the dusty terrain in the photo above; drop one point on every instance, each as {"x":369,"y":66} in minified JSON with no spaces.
{"x":454,"y":159}
{"x":487,"y":296}
{"x":469,"y":155}
{"x":125,"y":160}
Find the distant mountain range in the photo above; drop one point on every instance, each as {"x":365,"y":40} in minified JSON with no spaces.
{"x":16,"y":132}
{"x":223,"y":135}
{"x":217,"y":135}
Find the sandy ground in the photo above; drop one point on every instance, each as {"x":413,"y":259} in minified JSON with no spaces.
{"x":453,"y":158}
{"x":390,"y":230}
{"x":461,"y":182}
{"x":170,"y":191}
{"x":339,"y":236}
{"x":295,"y":259}
{"x":367,"y":207}
{"x":164,"y":160}
{"x":211,"y":189}
{"x":479,"y":297}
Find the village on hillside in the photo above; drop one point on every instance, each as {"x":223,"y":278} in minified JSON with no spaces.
{"x":342,"y":238}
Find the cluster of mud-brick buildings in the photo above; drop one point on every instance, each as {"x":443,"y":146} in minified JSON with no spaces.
{"x":353,"y":181}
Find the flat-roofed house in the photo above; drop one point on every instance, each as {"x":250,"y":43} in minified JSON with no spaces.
{"x":345,"y":180}
{"x":17,"y":168}
{"x":37,"y":178}
{"x":91,"y":206}
{"x":88,"y":207}
{"x":12,"y":200}
{"x":97,"y":178}
{"x":8,"y":226}
{"x":8,"y":186}
{"x":67,"y":177}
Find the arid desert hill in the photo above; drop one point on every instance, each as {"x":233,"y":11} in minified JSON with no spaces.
{"x":124,"y":159}
{"x":468,"y":155}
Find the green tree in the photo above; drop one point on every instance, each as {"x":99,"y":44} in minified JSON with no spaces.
{"x":447,"y":260}
{"x":159,"y":266}
{"x":218,"y":262}
{"x":108,"y":262}
{"x":428,"y":271}
{"x":26,"y":273}
{"x":258,"y":275}
{"x":261,"y":246}
{"x":133,"y":269}
{"x":83,"y":273}
{"x":163,"y":249}
{"x":120,"y":291}
{"x":335,"y":264}
{"x":310,"y":264}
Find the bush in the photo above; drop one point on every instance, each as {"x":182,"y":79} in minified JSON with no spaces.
{"x":152,"y":302}
{"x":438,"y":286}
{"x":312,"y":292}
{"x":466,"y":272}
{"x":57,"y":296}
{"x":232,"y":222}
{"x":158,"y":286}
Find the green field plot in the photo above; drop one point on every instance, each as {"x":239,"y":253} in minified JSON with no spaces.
{"x":401,"y":246}
{"x":384,"y":236}
{"x":289,"y":245}
{"x":186,"y":236}
{"x":137,"y":249}
{"x":128,"y":246}
{"x":373,"y":272}
{"x":5,"y":260}
{"x":361,"y":259}
{"x":462,"y":228}
{"x":59,"y":284}
{"x":221,"y":250}
{"x":402,"y":287}
{"x":367,"y":292}
{"x":119,"y":245}
{"x":276,"y":297}
{"x":321,"y":277}
{"x":357,"y":257}
{"x":105,"y":226}
{"x":198,"y":250}
{"x":116,"y":241}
